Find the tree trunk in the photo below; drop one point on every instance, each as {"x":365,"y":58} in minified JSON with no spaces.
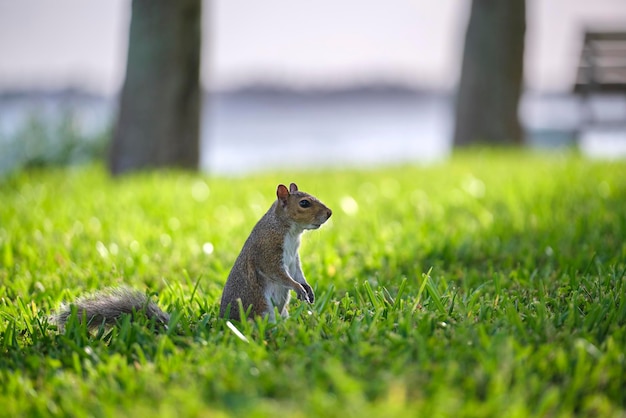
{"x":492,"y":74}
{"x":159,"y":114}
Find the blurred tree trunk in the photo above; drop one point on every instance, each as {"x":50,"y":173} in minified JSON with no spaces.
{"x":159,"y":114}
{"x":492,"y":74}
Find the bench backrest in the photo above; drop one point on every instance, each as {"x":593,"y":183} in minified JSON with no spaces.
{"x":602,"y":66}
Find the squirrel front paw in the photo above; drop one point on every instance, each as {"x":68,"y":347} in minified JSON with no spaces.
{"x":305,"y":293}
{"x":309,"y":292}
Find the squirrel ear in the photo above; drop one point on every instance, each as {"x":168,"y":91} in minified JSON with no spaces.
{"x":293,"y":187}
{"x":282,"y":193}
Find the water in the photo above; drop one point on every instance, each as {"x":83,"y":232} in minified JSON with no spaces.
{"x":283,"y":131}
{"x":258,"y":130}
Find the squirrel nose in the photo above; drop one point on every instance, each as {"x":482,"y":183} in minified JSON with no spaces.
{"x":328,"y":213}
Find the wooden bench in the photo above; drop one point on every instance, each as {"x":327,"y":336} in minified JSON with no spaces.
{"x":602,"y":72}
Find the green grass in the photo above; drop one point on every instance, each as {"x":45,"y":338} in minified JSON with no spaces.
{"x":491,"y":285}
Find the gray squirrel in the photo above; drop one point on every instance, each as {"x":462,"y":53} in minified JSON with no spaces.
{"x":267,"y":268}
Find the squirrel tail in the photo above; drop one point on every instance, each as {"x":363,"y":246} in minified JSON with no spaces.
{"x":107,"y":306}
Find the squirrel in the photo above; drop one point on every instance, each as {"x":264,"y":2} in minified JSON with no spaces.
{"x":268,"y":265}
{"x":267,"y":268}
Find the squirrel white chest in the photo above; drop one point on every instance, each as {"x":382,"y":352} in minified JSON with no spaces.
{"x":290,"y":252}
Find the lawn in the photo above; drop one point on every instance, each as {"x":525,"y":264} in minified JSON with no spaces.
{"x":490,"y":285}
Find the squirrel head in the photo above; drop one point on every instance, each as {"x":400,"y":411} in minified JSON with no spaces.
{"x":301,"y":208}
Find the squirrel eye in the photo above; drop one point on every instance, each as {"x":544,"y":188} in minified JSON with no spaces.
{"x":305,"y":203}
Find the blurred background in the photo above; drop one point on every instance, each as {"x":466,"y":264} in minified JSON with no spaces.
{"x":290,"y":83}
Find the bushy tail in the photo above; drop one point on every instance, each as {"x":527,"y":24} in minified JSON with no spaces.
{"x":107,"y":306}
